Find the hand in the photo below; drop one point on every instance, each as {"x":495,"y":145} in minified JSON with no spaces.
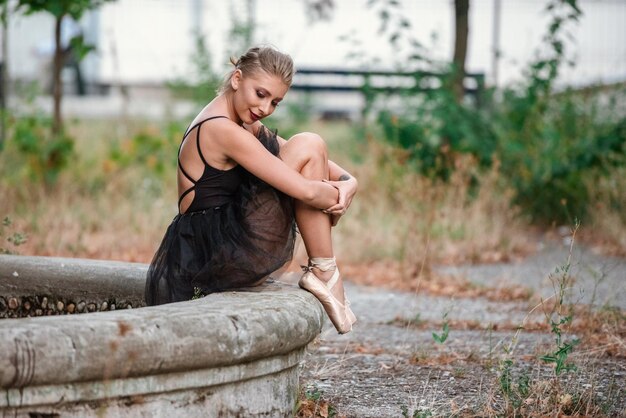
{"x":347,"y":189}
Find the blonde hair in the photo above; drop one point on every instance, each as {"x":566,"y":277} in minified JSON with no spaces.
{"x":264,"y":58}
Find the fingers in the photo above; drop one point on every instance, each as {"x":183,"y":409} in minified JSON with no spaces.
{"x":337,"y":208}
{"x":333,"y":182}
{"x":346,"y":192}
{"x":344,"y":200}
{"x":336,"y":185}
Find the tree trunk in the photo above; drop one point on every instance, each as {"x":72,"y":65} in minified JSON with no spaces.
{"x":461,"y":20}
{"x":4,"y":82}
{"x":57,"y":86}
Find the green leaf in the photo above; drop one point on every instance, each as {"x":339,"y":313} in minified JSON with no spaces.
{"x":80,"y":48}
{"x":58,"y":8}
{"x":444,"y":335}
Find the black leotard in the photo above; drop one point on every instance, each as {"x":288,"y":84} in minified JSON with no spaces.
{"x":214,"y":187}
{"x":237,"y":231}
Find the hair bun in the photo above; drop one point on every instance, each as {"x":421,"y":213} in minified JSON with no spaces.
{"x":265,"y":58}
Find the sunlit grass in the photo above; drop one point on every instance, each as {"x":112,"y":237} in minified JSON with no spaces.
{"x":100,"y":208}
{"x":409,"y":217}
{"x":95,"y":210}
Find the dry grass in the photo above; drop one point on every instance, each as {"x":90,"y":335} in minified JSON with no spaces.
{"x":400,"y":223}
{"x":63,"y":221}
{"x":417,"y":220}
{"x":100,"y":210}
{"x":606,"y":228}
{"x":602,"y":331}
{"x":95,"y":210}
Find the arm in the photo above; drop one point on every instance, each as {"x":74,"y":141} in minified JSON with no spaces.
{"x":340,"y":178}
{"x":241,"y":146}
{"x":345,"y":183}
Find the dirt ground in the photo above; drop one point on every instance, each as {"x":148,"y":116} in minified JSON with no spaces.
{"x":391,"y":366}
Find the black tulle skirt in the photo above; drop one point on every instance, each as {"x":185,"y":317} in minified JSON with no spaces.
{"x":232,"y":246}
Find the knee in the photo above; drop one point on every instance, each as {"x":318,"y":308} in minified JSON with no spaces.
{"x":311,"y":144}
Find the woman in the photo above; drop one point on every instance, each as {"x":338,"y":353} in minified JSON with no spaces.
{"x":241,"y":187}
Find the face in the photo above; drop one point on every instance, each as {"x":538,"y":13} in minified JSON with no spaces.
{"x":257,"y":95}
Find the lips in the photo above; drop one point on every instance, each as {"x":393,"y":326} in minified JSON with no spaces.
{"x":254,"y":116}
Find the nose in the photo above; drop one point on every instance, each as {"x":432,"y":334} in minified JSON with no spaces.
{"x":265,"y":108}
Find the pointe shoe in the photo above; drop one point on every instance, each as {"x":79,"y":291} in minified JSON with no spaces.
{"x":349,"y":313}
{"x":336,"y":311}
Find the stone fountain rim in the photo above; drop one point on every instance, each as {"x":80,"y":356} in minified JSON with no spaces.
{"x":242,"y":327}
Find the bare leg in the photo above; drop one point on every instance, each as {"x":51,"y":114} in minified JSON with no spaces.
{"x":307,"y":153}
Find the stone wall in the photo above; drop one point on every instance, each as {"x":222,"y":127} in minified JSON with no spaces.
{"x":228,"y":354}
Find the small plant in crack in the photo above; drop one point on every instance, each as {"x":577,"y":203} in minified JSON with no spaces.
{"x":312,"y":405}
{"x":514,"y":391}
{"x":418,"y":413}
{"x":558,"y":318}
{"x":445,"y":329}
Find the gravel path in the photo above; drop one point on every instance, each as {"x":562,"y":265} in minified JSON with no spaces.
{"x":390,"y":365}
{"x":598,"y":279}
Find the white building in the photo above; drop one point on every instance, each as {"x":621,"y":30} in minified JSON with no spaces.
{"x":151,"y":41}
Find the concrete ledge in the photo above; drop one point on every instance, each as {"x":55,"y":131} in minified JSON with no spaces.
{"x":73,"y":362}
{"x":72,"y":277}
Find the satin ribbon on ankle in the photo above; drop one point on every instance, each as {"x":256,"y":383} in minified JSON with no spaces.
{"x":323,"y":264}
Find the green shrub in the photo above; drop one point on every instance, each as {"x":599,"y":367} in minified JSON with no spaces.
{"x":547,"y":142}
{"x":45,"y":154}
{"x":549,"y":153}
{"x":150,"y":148}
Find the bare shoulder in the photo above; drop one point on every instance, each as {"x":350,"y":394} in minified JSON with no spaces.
{"x":223,"y":134}
{"x":223,"y":130}
{"x":218,"y":138}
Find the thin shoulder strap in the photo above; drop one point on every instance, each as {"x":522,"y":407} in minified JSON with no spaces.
{"x":200,"y":123}
{"x":198,"y":145}
{"x":185,"y":193}
{"x":197,"y":142}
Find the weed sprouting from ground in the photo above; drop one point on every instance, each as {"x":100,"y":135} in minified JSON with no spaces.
{"x":311,"y":404}
{"x":558,"y":318}
{"x":525,"y":394}
{"x":515,"y":392}
{"x":416,"y":413}
{"x":445,"y":329}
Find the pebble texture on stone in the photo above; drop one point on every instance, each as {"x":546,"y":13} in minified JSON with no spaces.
{"x":47,"y":305}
